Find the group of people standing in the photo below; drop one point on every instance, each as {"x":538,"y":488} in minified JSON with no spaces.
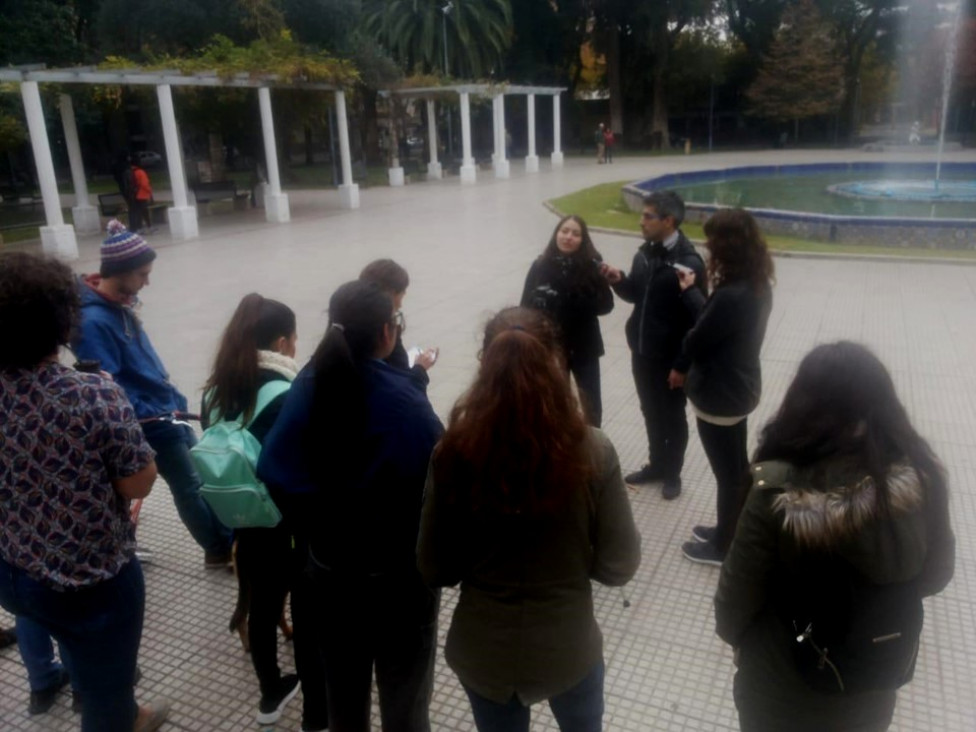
{"x":520,"y":500}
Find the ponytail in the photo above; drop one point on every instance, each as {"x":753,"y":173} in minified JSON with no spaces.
{"x":233,"y":383}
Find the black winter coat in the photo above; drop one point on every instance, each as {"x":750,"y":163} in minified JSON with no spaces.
{"x":725,"y":377}
{"x":660,"y":319}
{"x":554,"y":286}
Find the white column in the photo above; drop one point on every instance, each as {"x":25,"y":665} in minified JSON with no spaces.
{"x":433,"y":167}
{"x":501,"y":163}
{"x":468,"y":172}
{"x":531,"y":160}
{"x":182,"y":217}
{"x":557,"y":134}
{"x":275,"y":202}
{"x":57,"y":238}
{"x":348,"y":191}
{"x":84,"y":215}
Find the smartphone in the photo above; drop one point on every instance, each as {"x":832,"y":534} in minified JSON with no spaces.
{"x":88,"y":366}
{"x":683,"y":268}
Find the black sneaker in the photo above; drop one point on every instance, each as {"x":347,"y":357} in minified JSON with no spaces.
{"x":671,"y":489}
{"x":646,"y":474}
{"x":218,"y":561}
{"x":271,"y":707}
{"x":42,"y":701}
{"x":703,"y":553}
{"x":704,"y":533}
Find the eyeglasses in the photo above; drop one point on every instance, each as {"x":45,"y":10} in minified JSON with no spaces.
{"x":400,"y":321}
{"x":649,"y":216}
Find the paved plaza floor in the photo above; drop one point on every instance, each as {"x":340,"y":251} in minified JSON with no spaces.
{"x":467,"y":250}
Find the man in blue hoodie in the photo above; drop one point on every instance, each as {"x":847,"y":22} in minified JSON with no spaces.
{"x":112,"y":334}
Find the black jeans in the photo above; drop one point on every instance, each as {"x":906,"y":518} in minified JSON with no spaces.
{"x":268,"y":568}
{"x":728,"y":456}
{"x":389,"y":621}
{"x":664,"y":416}
{"x":586,"y":371}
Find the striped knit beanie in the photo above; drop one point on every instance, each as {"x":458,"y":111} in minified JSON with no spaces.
{"x":123,"y":250}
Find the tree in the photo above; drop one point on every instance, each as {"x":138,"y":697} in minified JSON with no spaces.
{"x":39,"y":31}
{"x":754,"y":23}
{"x":479,"y":33}
{"x":800,"y":76}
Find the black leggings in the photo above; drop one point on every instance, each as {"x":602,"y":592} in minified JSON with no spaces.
{"x":725,"y":447}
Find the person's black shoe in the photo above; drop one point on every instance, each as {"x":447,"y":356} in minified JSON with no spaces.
{"x":671,"y":489}
{"x":704,"y":533}
{"x":218,"y":561}
{"x":271,"y":707}
{"x":7,"y":637}
{"x":42,"y":701}
{"x":646,"y":474}
{"x":703,"y":553}
{"x":75,"y":701}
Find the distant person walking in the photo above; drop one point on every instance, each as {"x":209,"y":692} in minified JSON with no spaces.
{"x":524,"y":507}
{"x":723,"y":379}
{"x":608,"y":142}
{"x":600,"y":143}
{"x":565,"y":283}
{"x":111,"y":333}
{"x":141,"y":197}
{"x":655,"y":331}
{"x":845,"y":529}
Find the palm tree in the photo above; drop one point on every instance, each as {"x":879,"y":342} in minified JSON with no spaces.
{"x":412,"y":31}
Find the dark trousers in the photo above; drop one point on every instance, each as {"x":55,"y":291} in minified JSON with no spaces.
{"x":387,"y":621}
{"x":172,"y":444}
{"x":269,"y":568}
{"x":100,"y":627}
{"x":728,"y":456}
{"x":578,"y":710}
{"x":37,"y":652}
{"x":586,"y":371}
{"x":138,"y":213}
{"x":664,"y":417}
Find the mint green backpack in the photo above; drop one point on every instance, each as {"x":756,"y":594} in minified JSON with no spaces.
{"x":226,"y":458}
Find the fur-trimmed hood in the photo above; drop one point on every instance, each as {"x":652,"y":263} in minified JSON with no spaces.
{"x":833,"y":507}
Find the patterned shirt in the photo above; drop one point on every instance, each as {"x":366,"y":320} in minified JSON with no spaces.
{"x":64,"y":436}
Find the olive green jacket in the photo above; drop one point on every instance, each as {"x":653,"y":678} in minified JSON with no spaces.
{"x":524,"y":623}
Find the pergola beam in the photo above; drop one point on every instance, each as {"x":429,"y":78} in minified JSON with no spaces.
{"x":163,"y":77}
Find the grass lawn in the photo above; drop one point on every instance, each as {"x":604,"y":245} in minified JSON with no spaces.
{"x":603,"y":206}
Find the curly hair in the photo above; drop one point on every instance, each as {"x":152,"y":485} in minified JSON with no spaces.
{"x":39,"y":308}
{"x":738,"y":250}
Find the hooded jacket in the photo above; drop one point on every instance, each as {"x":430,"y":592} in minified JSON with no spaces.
{"x":112,"y":334}
{"x":827,"y":506}
{"x":660,"y":319}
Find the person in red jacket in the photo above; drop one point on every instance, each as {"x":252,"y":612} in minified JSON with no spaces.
{"x":140,"y":197}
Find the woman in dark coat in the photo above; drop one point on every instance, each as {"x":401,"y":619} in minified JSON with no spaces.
{"x":524,"y":506}
{"x":724,"y":378}
{"x":566,"y":284}
{"x":847,"y":498}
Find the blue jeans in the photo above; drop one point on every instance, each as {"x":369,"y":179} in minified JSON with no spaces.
{"x":100,"y":627}
{"x":172,"y":444}
{"x":579,"y":709}
{"x":37,"y":652}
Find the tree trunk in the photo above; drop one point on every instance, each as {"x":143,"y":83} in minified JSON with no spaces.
{"x":796,"y":130}
{"x":660,"y":137}
{"x":371,"y":132}
{"x":613,"y":77}
{"x":309,"y":152}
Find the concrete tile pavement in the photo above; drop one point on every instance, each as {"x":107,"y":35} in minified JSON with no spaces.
{"x":467,"y":250}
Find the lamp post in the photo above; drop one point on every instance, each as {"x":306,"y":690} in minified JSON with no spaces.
{"x":445,"y":10}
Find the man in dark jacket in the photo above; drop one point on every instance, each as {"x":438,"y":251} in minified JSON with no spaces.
{"x":655,"y":331}
{"x":112,"y":334}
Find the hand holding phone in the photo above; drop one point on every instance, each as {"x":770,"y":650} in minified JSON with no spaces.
{"x":686,"y":276}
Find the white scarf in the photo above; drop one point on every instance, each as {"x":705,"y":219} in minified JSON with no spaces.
{"x":279,"y":363}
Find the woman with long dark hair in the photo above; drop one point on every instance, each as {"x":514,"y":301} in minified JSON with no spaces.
{"x":721,"y":373}
{"x":565,"y":283}
{"x":525,"y":505}
{"x":350,"y":451}
{"x":846,"y":527}
{"x":254,"y":366}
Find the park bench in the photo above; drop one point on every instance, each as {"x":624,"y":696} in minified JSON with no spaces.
{"x":221,"y":190}
{"x":113,"y":205}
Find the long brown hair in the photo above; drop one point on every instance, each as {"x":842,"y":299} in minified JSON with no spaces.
{"x":514,"y":441}
{"x":737,"y":250}
{"x":586,"y":275}
{"x":256,"y":324}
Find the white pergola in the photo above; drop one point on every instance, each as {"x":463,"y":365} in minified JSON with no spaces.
{"x":497,"y":94}
{"x":58,"y":238}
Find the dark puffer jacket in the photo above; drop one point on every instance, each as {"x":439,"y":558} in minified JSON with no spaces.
{"x":830,"y":505}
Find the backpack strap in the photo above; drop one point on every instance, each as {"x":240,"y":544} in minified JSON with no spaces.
{"x":267,"y":394}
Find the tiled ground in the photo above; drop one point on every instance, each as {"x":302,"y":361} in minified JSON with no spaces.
{"x":467,"y":250}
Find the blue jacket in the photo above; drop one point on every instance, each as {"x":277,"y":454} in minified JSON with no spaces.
{"x":112,"y":335}
{"x":366,"y":522}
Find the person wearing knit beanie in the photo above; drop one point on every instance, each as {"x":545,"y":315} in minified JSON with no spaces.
{"x":123,"y":251}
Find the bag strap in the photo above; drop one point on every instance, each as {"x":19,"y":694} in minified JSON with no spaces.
{"x":267,"y":394}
